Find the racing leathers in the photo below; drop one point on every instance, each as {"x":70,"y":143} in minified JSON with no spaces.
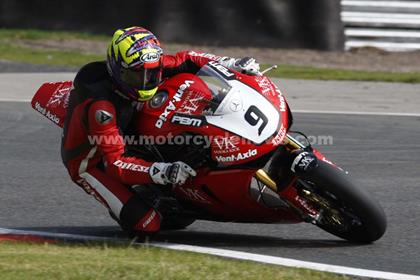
{"x":93,"y":149}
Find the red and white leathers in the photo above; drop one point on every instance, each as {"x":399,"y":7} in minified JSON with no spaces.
{"x":93,"y":149}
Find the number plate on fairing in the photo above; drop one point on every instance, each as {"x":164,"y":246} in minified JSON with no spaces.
{"x":246,"y":113}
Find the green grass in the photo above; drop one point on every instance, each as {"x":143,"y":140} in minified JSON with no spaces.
{"x":47,"y":57}
{"x":312,"y":73}
{"x":13,"y":52}
{"x":49,"y":261}
{"x":33,"y":34}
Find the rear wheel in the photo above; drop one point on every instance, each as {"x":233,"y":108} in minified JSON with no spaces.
{"x":345,"y":210}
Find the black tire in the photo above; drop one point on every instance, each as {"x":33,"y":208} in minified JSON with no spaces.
{"x":335,"y":185}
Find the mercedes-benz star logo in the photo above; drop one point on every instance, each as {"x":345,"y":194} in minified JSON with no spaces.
{"x":236,"y":105}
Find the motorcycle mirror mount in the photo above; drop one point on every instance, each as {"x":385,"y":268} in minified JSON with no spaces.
{"x":269,"y":69}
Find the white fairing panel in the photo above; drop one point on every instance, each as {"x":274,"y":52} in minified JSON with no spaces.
{"x":246,"y":113}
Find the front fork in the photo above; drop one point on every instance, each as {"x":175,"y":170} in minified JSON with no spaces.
{"x":263,"y":177}
{"x":289,"y":195}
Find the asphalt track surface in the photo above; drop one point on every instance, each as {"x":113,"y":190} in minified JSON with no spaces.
{"x":381,"y":152}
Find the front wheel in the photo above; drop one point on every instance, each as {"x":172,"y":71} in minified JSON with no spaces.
{"x":345,"y":210}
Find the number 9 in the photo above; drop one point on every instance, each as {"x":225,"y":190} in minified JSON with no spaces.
{"x":253,"y":116}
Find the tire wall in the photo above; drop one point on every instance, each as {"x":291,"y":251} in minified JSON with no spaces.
{"x":314,"y":24}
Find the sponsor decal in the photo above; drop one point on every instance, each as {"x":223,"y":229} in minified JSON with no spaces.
{"x":235,"y":105}
{"x":139,"y":45}
{"x":149,"y":219}
{"x":278,"y":139}
{"x":303,"y":161}
{"x":205,"y":55}
{"x":282,"y":103}
{"x":226,"y":144}
{"x":190,"y":104}
{"x":103,"y":117}
{"x":131,"y":166}
{"x":47,"y":113}
{"x":221,"y":69}
{"x":60,"y":96}
{"x":265,"y":85}
{"x":150,"y":57}
{"x":238,"y":156}
{"x":155,"y":170}
{"x":171,"y":106}
{"x":86,"y":187}
{"x":306,"y":205}
{"x":89,"y":190}
{"x":188,"y":120}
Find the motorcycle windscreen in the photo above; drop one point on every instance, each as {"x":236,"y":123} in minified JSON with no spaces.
{"x":217,"y":85}
{"x":238,"y":108}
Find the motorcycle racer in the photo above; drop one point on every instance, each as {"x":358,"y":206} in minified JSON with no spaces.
{"x":102,"y":104}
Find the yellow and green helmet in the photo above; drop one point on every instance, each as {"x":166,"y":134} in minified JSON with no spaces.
{"x":134,"y":62}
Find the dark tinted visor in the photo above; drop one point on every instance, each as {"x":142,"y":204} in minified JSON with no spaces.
{"x":142,"y":79}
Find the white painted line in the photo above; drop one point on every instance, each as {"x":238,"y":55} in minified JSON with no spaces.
{"x":376,"y":274}
{"x":14,"y":100}
{"x":235,"y":255}
{"x":357,"y":113}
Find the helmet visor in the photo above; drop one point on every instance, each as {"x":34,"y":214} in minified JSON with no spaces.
{"x":142,"y":79}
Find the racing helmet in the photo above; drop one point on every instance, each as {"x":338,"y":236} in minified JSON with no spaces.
{"x":134,"y":63}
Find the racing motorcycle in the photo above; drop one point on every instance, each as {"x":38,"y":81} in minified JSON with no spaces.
{"x":235,"y":132}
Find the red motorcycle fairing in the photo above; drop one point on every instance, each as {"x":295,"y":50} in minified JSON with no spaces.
{"x":51,"y":100}
{"x":225,"y":194}
{"x":244,"y":123}
{"x":244,"y":118}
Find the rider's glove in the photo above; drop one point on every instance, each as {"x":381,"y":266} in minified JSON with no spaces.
{"x":246,"y":65}
{"x":170,"y":173}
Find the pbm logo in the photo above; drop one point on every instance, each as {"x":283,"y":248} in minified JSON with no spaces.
{"x":150,"y":57}
{"x":187,"y":120}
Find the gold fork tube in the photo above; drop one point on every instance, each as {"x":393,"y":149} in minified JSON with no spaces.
{"x":292,"y":142}
{"x":263,"y":177}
